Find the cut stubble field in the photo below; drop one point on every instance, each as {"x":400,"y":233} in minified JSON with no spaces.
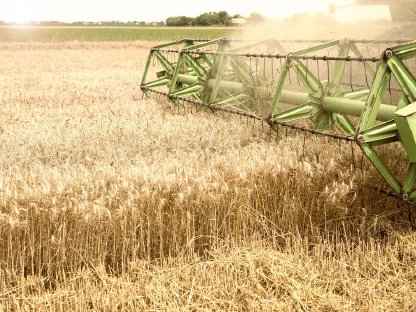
{"x":114,"y":202}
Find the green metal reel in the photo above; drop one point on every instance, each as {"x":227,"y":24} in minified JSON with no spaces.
{"x":242,"y":80}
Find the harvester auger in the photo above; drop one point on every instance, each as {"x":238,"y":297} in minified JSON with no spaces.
{"x":358,"y":91}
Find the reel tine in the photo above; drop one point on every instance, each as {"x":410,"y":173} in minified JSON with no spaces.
{"x":257,"y":78}
{"x":318,"y":159}
{"x":327,"y":70}
{"x":277,"y":132}
{"x":389,"y":88}
{"x":304,"y":143}
{"x":297,"y":77}
{"x":410,"y":214}
{"x":366,"y":76}
{"x":352,"y":87}
{"x":240,"y":60}
{"x":353,"y":155}
{"x":317,"y":66}
{"x":251,"y":70}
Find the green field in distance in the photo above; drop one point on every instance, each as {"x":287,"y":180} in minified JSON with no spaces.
{"x":102,"y":33}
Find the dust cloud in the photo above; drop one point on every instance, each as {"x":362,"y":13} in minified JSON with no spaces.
{"x":322,"y":27}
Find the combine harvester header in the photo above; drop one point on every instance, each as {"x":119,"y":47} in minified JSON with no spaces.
{"x":358,"y":91}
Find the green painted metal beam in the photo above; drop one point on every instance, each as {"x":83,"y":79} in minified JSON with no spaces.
{"x":403,"y":75}
{"x":380,"y":134}
{"x":355,"y":108}
{"x":405,"y":119}
{"x":409,"y":183}
{"x":382,"y":168}
{"x":329,"y":103}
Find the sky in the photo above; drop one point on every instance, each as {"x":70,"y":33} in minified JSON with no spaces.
{"x":22,"y":11}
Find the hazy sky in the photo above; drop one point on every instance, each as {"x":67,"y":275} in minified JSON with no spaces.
{"x":157,"y":10}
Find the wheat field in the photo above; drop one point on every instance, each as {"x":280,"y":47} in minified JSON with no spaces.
{"x":114,"y":202}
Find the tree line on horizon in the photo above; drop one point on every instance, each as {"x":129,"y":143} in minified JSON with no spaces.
{"x":87,"y":23}
{"x":221,"y":18}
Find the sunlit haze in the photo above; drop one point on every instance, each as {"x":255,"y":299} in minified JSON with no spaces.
{"x":21,"y":11}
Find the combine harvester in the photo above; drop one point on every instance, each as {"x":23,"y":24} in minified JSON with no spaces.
{"x":358,"y":91}
{"x":400,"y":10}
